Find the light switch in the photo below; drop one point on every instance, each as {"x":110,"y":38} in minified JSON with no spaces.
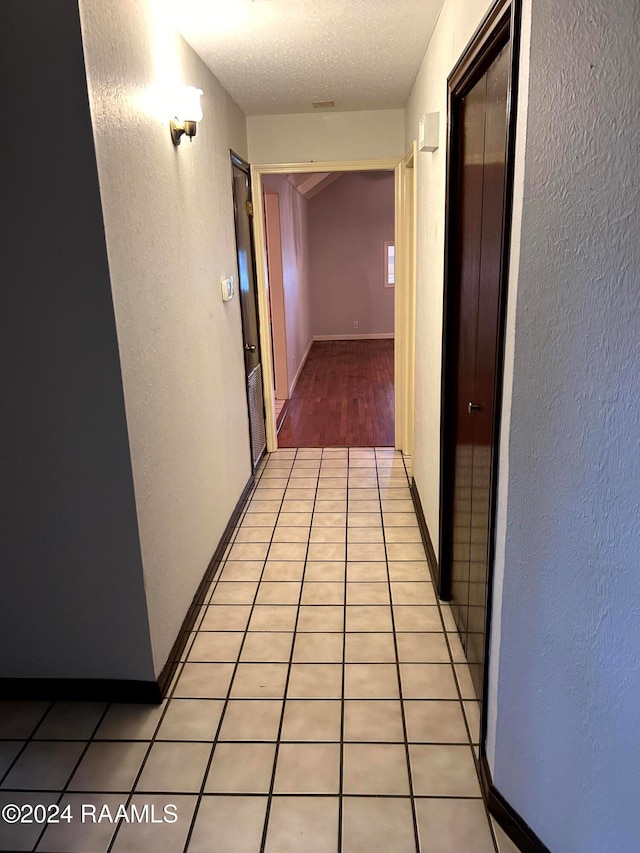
{"x":227,"y":288}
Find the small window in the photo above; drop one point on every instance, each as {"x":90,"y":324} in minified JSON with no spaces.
{"x":389,"y":264}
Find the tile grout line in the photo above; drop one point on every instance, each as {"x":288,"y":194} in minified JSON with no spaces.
{"x":174,"y":682}
{"x":257,"y":740}
{"x":398,"y":674}
{"x":236,"y":665}
{"x":252,"y":794}
{"x":127,"y":794}
{"x":197,"y":630}
{"x":25,"y":742}
{"x":214,"y":584}
{"x":344,"y":660}
{"x":464,"y":717}
{"x":88,"y":743}
{"x":267,"y":815}
{"x":225,"y":557}
{"x":75,"y":767}
{"x":167,"y":701}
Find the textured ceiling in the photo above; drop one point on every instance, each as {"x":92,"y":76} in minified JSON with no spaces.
{"x":277,"y":56}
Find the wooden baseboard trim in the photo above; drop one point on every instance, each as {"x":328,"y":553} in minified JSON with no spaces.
{"x":303,"y":361}
{"x":168,"y":671}
{"x":516,"y":828}
{"x":282,"y":415}
{"x":375,"y":336}
{"x":432,"y":560}
{"x":125,"y":690}
{"x":80,"y":690}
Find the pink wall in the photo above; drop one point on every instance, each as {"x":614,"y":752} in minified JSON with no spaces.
{"x":295,"y":269}
{"x":349,"y":222}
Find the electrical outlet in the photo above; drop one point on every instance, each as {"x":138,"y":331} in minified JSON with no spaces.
{"x":355,"y":324}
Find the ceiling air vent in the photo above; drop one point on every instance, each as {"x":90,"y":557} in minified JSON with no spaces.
{"x":323,"y":105}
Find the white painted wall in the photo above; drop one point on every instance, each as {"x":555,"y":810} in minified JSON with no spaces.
{"x":564,"y":741}
{"x":170,"y":237}
{"x":564,"y":697}
{"x":507,"y":382}
{"x":72,"y":603}
{"x":330,"y":136}
{"x":294,"y":231}
{"x":456,"y":24}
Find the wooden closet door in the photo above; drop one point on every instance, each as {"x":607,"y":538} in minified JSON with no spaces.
{"x":480,"y":203}
{"x":484,"y":428}
{"x":469,"y":205}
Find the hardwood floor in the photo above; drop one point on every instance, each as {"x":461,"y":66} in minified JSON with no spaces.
{"x":344,"y":397}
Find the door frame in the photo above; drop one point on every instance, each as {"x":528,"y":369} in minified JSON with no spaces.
{"x":501,"y":26}
{"x":405,"y":307}
{"x":401,"y":368}
{"x":235,"y":160}
{"x":275,"y":288}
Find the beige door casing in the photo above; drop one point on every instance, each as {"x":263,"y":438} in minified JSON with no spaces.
{"x":406,"y":242}
{"x":275,"y":284}
{"x":404,"y":308}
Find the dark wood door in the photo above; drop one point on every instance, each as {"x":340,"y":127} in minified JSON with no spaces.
{"x":481,"y":117}
{"x":243,"y":212}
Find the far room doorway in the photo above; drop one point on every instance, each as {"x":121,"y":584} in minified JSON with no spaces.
{"x":330,"y":281}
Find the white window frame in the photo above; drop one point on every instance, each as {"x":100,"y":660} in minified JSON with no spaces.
{"x":389,"y":277}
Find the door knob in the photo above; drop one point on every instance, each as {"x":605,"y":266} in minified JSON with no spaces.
{"x":473,"y":407}
{"x":252,"y":348}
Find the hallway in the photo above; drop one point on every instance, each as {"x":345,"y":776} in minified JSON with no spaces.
{"x":128,"y":452}
{"x":320,"y":705}
{"x":344,"y":396}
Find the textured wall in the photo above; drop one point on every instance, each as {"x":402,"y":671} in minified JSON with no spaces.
{"x":568,"y":697}
{"x":507,"y":382}
{"x":294,"y":234}
{"x":349,"y":222}
{"x":456,"y":24}
{"x":170,"y":237}
{"x":72,"y":603}
{"x":308,"y":137}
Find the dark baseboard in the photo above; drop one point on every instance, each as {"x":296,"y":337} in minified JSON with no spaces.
{"x":81,"y":690}
{"x":516,"y":828}
{"x":164,"y":680}
{"x":432,"y":560}
{"x":125,"y":690}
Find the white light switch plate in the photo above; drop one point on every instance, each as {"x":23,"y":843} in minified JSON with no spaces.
{"x":227,"y":288}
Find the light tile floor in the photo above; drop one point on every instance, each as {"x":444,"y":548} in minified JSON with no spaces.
{"x":322,"y":704}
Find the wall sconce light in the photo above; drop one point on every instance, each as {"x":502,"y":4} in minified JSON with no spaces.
{"x":188,"y":114}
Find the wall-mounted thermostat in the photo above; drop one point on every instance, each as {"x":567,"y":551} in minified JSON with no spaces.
{"x":226,"y":285}
{"x":428,"y":132}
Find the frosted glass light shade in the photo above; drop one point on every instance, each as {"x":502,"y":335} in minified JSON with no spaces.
{"x":189,"y":107}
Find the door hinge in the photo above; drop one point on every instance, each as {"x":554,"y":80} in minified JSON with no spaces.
{"x":249,"y":208}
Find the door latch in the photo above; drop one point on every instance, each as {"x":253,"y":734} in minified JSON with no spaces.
{"x":252,"y":348}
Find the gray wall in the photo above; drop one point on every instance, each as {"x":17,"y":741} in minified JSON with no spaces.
{"x":349,"y":223}
{"x":566,"y":664}
{"x":72,"y":602}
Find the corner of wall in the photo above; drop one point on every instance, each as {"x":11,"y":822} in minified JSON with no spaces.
{"x":73,"y":598}
{"x":168,"y":215}
{"x":507,"y":388}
